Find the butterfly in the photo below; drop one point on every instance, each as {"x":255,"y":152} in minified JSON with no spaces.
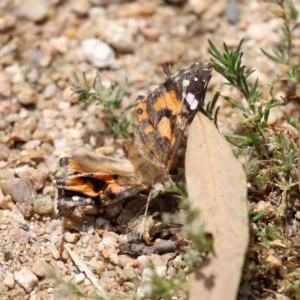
{"x":162,"y":119}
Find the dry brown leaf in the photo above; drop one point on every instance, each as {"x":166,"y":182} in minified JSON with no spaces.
{"x":216,"y":185}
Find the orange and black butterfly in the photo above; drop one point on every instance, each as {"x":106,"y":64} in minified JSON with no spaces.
{"x":162,"y":118}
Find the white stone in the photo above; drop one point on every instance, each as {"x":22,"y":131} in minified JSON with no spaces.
{"x":81,"y":7}
{"x":9,"y":281}
{"x":106,"y":243}
{"x":34,"y":10}
{"x":145,"y":289}
{"x":79,"y":278}
{"x":100,"y":54}
{"x":121,"y":35}
{"x":26,"y":279}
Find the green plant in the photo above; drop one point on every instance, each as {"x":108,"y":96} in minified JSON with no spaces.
{"x":266,"y":150}
{"x":109,"y":97}
{"x":270,"y":155}
{"x":285,"y":53}
{"x":164,"y":288}
{"x":255,"y":113}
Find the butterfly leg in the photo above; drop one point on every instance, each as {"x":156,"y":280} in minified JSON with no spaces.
{"x":155,"y":191}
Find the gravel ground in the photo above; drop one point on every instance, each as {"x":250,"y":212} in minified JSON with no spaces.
{"x":43,"y":43}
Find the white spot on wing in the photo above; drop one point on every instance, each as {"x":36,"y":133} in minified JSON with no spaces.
{"x":185,"y":82}
{"x":194,"y":105}
{"x":190,"y":99}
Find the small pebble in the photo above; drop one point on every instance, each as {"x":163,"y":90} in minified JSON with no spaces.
{"x":5,"y":85}
{"x":121,"y":36}
{"x":9,"y":280}
{"x":43,"y":205}
{"x":114,"y":258}
{"x":26,"y":279}
{"x":36,"y":176}
{"x":71,"y":237}
{"x":136,"y":8}
{"x":233,"y":12}
{"x":33,"y":75}
{"x":27,"y":95}
{"x":34,"y":10}
{"x":59,"y":44}
{"x":20,"y":236}
{"x":199,"y":6}
{"x":20,"y":189}
{"x":40,"y":268}
{"x":4,"y":152}
{"x":79,"y":278}
{"x":126,"y":261}
{"x":99,"y":53}
{"x":129,"y":274}
{"x":4,"y":203}
{"x":7,"y":22}
{"x":54,"y":251}
{"x":50,"y":91}
{"x":129,"y":286}
{"x":81,"y":7}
